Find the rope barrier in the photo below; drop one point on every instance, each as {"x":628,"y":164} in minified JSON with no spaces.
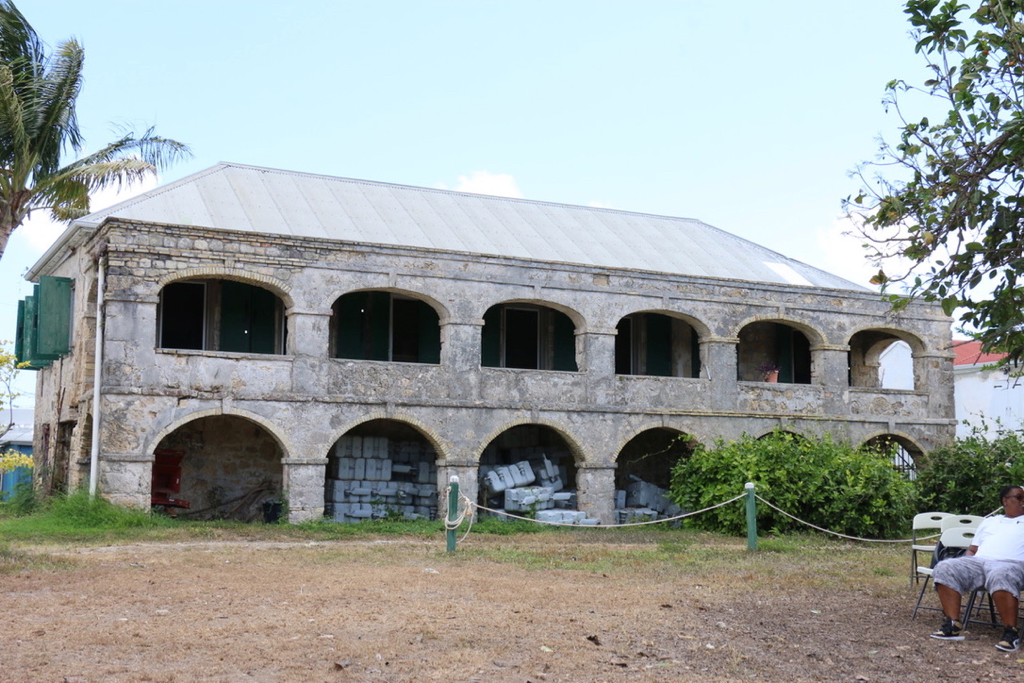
{"x":466,"y":506}
{"x":606,"y":526}
{"x":834,"y":533}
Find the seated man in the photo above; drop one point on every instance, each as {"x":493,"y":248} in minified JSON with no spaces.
{"x":994,"y":562}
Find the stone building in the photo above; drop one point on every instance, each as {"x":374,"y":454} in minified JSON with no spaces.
{"x":266,"y":330}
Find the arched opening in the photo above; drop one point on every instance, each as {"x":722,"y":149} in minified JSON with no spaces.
{"x":218,"y":467}
{"x":529,"y":471}
{"x":656,"y":344}
{"x":381,"y":468}
{"x":880,"y":359}
{"x":904,"y":452}
{"x":220,"y":315}
{"x":374,"y":325}
{"x":529,"y":337}
{"x":644,"y":474}
{"x":773,"y":352}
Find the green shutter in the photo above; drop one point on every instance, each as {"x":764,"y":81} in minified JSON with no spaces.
{"x":19,"y":335}
{"x":784,"y":352}
{"x":348,"y":322}
{"x":262,"y":321}
{"x":234,"y":316}
{"x":54,"y":339}
{"x":429,"y":334}
{"x":30,"y":320}
{"x":694,"y":353}
{"x":490,"y":338}
{"x":659,"y":345}
{"x":564,"y":343}
{"x":377,"y":333}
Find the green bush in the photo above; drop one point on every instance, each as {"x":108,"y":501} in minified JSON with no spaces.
{"x":965,"y":477}
{"x":829,"y":484}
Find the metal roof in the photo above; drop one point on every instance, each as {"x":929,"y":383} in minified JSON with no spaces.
{"x":20,"y":433}
{"x":269,"y":201}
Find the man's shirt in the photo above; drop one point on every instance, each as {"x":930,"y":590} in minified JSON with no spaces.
{"x":1000,"y":538}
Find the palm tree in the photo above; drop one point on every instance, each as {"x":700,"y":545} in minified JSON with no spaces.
{"x":38,"y":93}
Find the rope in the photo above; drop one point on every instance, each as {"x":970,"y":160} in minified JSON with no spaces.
{"x":827,"y":531}
{"x":466,"y":505}
{"x":608,"y":526}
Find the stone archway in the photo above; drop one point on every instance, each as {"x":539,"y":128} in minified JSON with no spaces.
{"x":228,"y":465}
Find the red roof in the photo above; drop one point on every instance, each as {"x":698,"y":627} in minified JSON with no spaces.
{"x":969,"y":353}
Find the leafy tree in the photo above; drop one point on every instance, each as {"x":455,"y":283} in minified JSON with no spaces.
{"x":38,"y":125}
{"x":949,"y":216}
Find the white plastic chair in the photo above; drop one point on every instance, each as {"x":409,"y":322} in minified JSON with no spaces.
{"x":952,"y":543}
{"x":925,"y":521}
{"x":964,"y":521}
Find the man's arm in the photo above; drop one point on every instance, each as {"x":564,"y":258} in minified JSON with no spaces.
{"x":971,"y":551}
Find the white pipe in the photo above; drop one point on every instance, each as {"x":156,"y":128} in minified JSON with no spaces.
{"x":97,"y":373}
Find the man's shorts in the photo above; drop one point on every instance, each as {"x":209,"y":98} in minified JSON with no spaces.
{"x":966,"y":574}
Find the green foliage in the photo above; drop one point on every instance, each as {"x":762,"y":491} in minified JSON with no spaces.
{"x":965,"y":477}
{"x":826,"y":483}
{"x":39,"y":89}
{"x":22,"y":500}
{"x":948,"y":213}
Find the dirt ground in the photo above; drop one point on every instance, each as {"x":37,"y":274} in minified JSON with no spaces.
{"x":406,"y":611}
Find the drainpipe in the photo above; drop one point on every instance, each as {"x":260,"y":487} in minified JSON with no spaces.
{"x":97,"y":373}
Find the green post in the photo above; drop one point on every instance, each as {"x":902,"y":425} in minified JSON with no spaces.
{"x":453,"y":510}
{"x":751,"y":517}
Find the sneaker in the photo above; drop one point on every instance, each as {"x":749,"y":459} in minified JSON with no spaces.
{"x":1010,"y":641}
{"x":953,"y":630}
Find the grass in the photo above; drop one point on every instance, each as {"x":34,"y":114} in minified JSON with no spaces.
{"x":799,"y":560}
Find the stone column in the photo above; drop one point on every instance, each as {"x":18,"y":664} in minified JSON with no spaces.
{"x":830,"y":369}
{"x":126,"y":478}
{"x":308,"y":333}
{"x":304,"y":487}
{"x":460,"y":357}
{"x":719,"y":366}
{"x":596,"y":360}
{"x":595,"y":491}
{"x":933,"y":373}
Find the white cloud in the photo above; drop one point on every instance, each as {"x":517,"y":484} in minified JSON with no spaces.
{"x":485,"y":182}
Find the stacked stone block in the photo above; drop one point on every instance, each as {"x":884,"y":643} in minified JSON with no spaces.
{"x":371,"y":477}
{"x":532,"y":485}
{"x":642,"y":501}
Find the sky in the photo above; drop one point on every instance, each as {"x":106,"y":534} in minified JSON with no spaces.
{"x":746,"y":115}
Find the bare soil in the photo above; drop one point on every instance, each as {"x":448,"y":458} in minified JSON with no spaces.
{"x":496,"y":610}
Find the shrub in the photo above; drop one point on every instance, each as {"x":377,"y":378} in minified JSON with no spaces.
{"x":965,"y":477}
{"x":824,"y":482}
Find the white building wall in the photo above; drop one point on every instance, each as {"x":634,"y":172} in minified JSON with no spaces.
{"x":987,"y":399}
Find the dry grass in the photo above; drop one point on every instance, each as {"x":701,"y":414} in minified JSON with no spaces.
{"x":575,"y":606}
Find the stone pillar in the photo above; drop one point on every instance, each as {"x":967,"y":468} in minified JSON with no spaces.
{"x":467,"y":470}
{"x":830,"y":369}
{"x":596,"y":360}
{"x":126,"y":478}
{"x":718,"y":356}
{"x":933,"y":373}
{"x":595,"y":491}
{"x":303,"y":484}
{"x":460,"y":356}
{"x":308,"y":333}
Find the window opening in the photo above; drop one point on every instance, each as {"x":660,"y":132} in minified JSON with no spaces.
{"x":656,"y":345}
{"x":221,"y":315}
{"x":529,"y":338}
{"x":384,"y":326}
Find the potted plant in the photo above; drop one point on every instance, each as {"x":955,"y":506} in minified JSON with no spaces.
{"x":769,"y":371}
